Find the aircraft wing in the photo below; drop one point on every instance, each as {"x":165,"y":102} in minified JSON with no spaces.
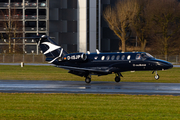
{"x":106,"y":71}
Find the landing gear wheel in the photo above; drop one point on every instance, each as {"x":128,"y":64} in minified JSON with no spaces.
{"x":117,"y":79}
{"x":156,"y":76}
{"x":88,"y":80}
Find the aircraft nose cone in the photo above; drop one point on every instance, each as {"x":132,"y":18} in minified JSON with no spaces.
{"x":170,"y":65}
{"x":167,"y":65}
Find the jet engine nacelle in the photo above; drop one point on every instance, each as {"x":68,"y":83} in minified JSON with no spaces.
{"x":76,"y":57}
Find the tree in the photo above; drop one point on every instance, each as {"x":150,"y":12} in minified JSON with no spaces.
{"x":120,"y":17}
{"x":165,"y":18}
{"x":140,"y":24}
{"x":13,"y":28}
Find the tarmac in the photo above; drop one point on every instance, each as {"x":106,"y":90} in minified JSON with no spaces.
{"x":133,"y":88}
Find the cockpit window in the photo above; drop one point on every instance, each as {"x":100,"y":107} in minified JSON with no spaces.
{"x":146,"y":55}
{"x":149,"y":55}
{"x":138,"y":56}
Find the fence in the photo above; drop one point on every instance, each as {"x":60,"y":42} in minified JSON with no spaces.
{"x":33,"y":58}
{"x":174,"y":59}
{"x":26,"y":58}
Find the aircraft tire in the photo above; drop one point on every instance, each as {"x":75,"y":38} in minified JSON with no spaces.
{"x":117,"y":79}
{"x":88,"y":80}
{"x":157,"y":77}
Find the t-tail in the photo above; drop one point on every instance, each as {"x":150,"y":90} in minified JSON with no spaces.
{"x":51,"y":50}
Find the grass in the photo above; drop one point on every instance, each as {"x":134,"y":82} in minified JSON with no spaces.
{"x":88,"y":106}
{"x":53,"y":73}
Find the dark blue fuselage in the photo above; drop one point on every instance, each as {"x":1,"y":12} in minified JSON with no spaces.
{"x":85,"y":65}
{"x":119,"y":62}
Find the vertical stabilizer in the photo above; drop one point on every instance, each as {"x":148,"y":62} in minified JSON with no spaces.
{"x":51,"y":50}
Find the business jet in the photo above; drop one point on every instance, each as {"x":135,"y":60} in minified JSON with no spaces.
{"x":87,"y":64}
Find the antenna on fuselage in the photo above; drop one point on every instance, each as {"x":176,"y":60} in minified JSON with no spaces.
{"x":88,"y":52}
{"x":97,"y":51}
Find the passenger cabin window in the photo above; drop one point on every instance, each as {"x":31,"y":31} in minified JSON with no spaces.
{"x":96,"y":57}
{"x":108,"y":57}
{"x":129,"y":57}
{"x":138,"y":56}
{"x":123,"y":57}
{"x":102,"y":58}
{"x":112,"y":58}
{"x":117,"y":58}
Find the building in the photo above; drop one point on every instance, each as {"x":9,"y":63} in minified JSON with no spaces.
{"x":32,"y":14}
{"x":79,"y":25}
{"x":76,"y":25}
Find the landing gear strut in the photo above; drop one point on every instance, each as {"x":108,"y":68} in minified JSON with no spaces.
{"x":88,"y":79}
{"x":156,"y":76}
{"x":118,"y":77}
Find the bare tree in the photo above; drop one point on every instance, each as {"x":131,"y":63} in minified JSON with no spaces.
{"x":165,"y":18}
{"x":120,"y":17}
{"x":13,"y":28}
{"x":140,"y":24}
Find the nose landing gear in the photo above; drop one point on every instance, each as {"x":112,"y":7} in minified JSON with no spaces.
{"x":118,"y":77}
{"x":156,"y":76}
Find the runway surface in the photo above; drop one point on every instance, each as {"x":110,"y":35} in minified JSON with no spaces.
{"x":27,"y":86}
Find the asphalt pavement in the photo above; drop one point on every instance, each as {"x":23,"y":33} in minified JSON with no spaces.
{"x":134,"y":88}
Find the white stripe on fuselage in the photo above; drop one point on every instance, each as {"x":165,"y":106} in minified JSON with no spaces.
{"x":52,"y":47}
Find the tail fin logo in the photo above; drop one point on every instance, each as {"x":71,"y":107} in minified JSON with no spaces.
{"x":52,"y":47}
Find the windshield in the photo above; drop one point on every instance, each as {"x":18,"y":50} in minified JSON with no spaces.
{"x":146,"y":55}
{"x":143,"y":56}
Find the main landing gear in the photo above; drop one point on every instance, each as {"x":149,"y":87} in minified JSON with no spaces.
{"x":88,"y":79}
{"x":118,"y":77}
{"x":156,"y":76}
